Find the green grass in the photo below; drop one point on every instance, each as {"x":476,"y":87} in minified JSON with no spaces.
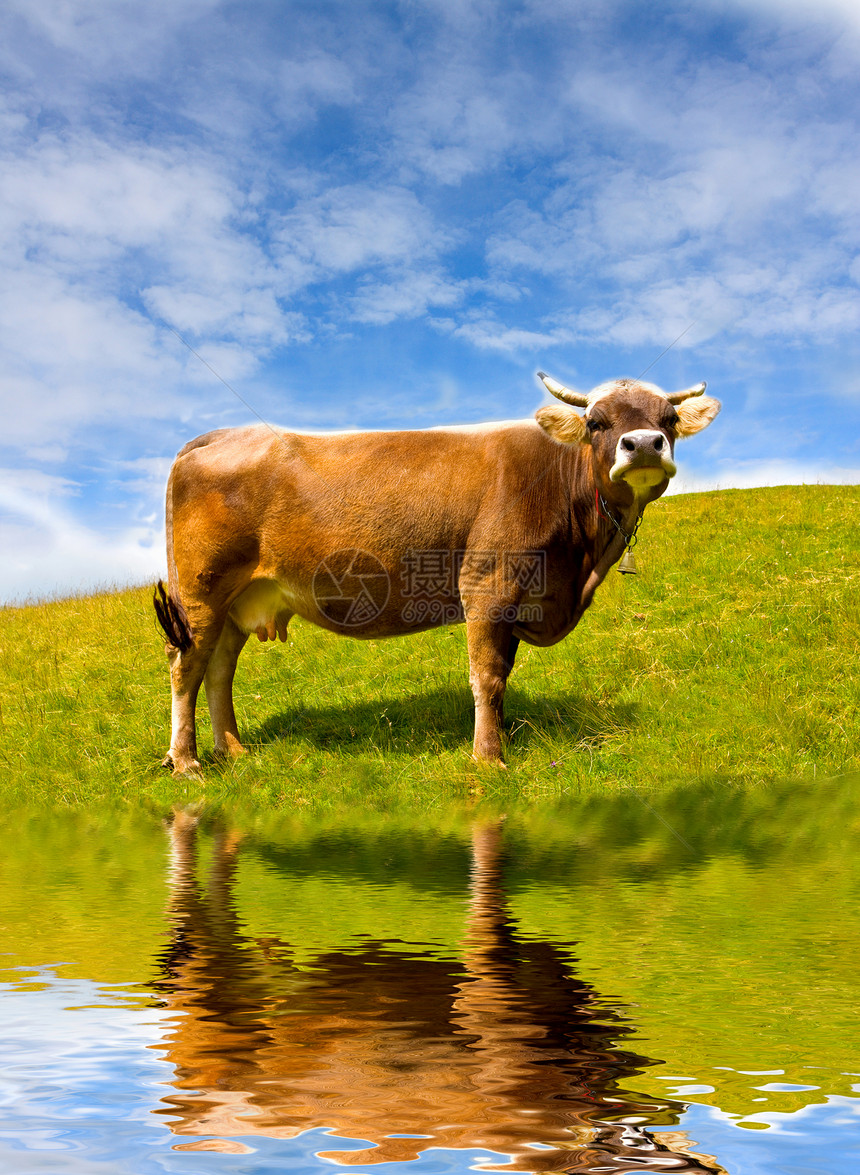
{"x":731,"y":657}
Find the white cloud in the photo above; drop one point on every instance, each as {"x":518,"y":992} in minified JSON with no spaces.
{"x":406,"y":296}
{"x":749,"y":474}
{"x":35,"y":483}
{"x":50,"y":552}
{"x":110,"y":218}
{"x":715,"y":196}
{"x":74,"y":358}
{"x":487,"y":334}
{"x":451,"y":131}
{"x":842,"y":14}
{"x":761,"y":304}
{"x":85,"y":226}
{"x":83,"y":190}
{"x":318,"y":78}
{"x":357,"y":226}
{"x":109,"y":35}
{"x":476,"y":101}
{"x":252,"y":315}
{"x":145,"y":477}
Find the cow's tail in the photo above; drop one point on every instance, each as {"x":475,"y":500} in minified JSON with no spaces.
{"x":172,"y":618}
{"x":168,"y":607}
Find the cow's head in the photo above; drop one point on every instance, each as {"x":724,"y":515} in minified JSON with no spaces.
{"x":631,"y":427}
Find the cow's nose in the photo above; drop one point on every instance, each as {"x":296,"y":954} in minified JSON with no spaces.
{"x":643,"y":442}
{"x":646,"y":450}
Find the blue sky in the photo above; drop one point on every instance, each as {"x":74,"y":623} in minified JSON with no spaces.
{"x":390,"y":213}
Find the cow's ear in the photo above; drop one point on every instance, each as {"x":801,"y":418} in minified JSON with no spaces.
{"x":562,"y":424}
{"x":695,"y":414}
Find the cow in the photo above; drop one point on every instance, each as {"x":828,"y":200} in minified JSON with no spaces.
{"x":509,"y":527}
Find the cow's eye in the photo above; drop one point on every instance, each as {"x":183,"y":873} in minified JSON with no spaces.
{"x":671,"y":421}
{"x":594,"y":425}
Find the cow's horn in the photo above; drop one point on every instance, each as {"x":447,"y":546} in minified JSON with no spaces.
{"x":677,"y":397}
{"x":578,"y":399}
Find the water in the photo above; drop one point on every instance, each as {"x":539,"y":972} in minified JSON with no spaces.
{"x":608,"y":985}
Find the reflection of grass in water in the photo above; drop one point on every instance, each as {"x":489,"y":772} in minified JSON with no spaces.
{"x":740,"y":952}
{"x":730,"y":657}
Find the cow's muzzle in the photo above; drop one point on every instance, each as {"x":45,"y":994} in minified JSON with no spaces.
{"x":643,"y":458}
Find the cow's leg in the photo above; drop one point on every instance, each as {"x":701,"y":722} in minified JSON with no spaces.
{"x":490,"y":663}
{"x":187,"y":670}
{"x":219,"y":689}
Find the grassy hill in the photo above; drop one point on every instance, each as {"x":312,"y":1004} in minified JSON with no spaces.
{"x":732,"y":656}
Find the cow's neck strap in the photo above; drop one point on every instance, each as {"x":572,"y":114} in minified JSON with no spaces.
{"x":602,"y":508}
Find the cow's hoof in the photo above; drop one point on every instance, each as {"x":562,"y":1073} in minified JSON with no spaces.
{"x":231,"y":749}
{"x":190,"y":770}
{"x":489,"y":761}
{"x":182,"y":768}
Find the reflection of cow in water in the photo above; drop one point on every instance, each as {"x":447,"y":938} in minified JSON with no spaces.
{"x":504,"y":1050}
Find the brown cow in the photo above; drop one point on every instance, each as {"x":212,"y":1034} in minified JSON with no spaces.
{"x":510,"y":527}
{"x":501,"y":1046}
